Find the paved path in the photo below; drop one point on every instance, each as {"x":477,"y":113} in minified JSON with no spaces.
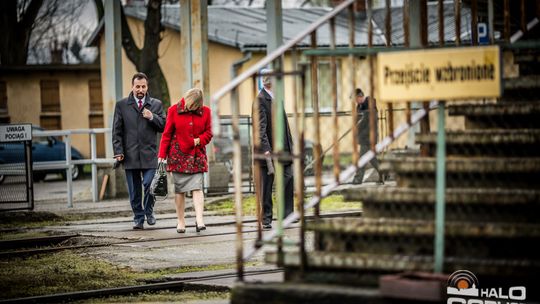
{"x":165,"y":248}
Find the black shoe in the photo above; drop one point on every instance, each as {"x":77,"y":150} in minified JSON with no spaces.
{"x":267,"y":226}
{"x":181,"y":230}
{"x":151,"y":220}
{"x":199,"y":228}
{"x":139,"y":226}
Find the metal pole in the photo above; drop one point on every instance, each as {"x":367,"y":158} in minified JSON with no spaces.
{"x":441,"y":22}
{"x":93,"y":154}
{"x":388,"y":23}
{"x":457,"y":14}
{"x":506,"y":21}
{"x":69,"y":171}
{"x":371,"y":105}
{"x":315,"y":104}
{"x":523,"y":22}
{"x":256,"y":162}
{"x":275,"y":39}
{"x":352,"y":64}
{"x":186,"y":43}
{"x":237,"y":175}
{"x":440,"y":191}
{"x":333,"y":69}
{"x":113,"y":72}
{"x":113,"y":59}
{"x":474,"y":22}
{"x":29,"y":177}
{"x":491,"y":27}
{"x":406,"y":23}
{"x":389,"y":105}
{"x":303,"y":257}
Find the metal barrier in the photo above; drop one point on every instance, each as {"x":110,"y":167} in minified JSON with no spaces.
{"x":68,"y":164}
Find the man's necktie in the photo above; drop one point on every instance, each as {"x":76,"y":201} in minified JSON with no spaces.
{"x":140,"y":104}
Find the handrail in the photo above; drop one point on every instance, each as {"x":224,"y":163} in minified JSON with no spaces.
{"x":346,"y":174}
{"x":214,"y":100}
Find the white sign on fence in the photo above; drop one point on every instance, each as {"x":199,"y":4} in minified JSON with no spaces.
{"x":19,"y":132}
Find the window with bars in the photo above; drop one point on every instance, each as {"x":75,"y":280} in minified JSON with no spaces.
{"x":50,"y":118}
{"x":4,"y":116}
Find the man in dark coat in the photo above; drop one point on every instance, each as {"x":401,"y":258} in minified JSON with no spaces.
{"x":137,"y":120}
{"x":362,"y":108}
{"x":265,"y":99}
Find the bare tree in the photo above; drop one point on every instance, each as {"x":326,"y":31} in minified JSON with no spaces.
{"x":146,"y":58}
{"x":58,"y":32}
{"x":42,"y":32}
{"x":17,"y":19}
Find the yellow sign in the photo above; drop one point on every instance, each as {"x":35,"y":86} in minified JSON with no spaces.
{"x":442,"y":74}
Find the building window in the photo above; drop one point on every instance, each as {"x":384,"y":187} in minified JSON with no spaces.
{"x":96,"y":102}
{"x":4,"y":116}
{"x":324,"y":76}
{"x":50,"y":118}
{"x":96,"y":113}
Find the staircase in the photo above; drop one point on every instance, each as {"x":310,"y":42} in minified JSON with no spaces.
{"x":492,"y":208}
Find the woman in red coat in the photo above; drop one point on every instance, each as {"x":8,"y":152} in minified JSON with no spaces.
{"x":188,"y":129}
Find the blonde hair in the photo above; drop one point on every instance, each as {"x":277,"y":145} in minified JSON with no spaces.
{"x":193,"y":99}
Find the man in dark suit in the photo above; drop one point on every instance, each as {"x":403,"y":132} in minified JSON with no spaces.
{"x":265,"y":99}
{"x":362,"y":108}
{"x":137,"y":120}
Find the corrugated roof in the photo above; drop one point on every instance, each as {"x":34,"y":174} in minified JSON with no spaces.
{"x":433,"y":23}
{"x":245,"y":27}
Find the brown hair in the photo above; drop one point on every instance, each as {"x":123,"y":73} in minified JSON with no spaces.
{"x":193,"y":99}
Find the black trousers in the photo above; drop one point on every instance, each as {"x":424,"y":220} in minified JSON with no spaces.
{"x":364,"y":148}
{"x":267,"y":183}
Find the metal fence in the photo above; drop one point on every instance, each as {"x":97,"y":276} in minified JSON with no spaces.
{"x":468,"y":145}
{"x":67,"y":165}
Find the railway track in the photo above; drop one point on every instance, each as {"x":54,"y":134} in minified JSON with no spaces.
{"x":173,"y":285}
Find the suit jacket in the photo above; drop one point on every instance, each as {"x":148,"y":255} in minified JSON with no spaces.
{"x":266,"y":125}
{"x":363,"y":124}
{"x":135,"y":136}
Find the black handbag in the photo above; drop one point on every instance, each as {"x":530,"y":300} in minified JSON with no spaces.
{"x":158,"y":187}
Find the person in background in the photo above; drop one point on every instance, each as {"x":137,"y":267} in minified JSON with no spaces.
{"x":265,"y":99}
{"x":187,"y":132}
{"x":137,"y":120}
{"x":362,"y":108}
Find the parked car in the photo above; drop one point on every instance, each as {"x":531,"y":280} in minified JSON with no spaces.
{"x":44,"y":149}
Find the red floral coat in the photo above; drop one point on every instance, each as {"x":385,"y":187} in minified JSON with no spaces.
{"x":177,"y":145}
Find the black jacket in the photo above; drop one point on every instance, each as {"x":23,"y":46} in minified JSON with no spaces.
{"x":135,"y":136}
{"x":363,"y":118}
{"x":265,"y":126}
